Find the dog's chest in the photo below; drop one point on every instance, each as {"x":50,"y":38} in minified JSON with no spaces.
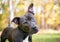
{"x":26,"y":39}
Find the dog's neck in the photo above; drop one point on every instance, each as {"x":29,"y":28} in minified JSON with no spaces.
{"x":23,"y":32}
{"x":20,"y":28}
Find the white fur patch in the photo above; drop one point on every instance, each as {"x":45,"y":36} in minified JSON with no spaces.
{"x":26,"y":39}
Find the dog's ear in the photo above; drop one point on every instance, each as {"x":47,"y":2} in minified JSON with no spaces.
{"x":30,"y":8}
{"x":16,"y":20}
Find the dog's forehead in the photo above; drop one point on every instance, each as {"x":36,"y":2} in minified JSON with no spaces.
{"x":22,"y":19}
{"x":29,"y":15}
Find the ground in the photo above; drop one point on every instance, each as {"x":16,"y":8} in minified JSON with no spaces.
{"x":46,"y":38}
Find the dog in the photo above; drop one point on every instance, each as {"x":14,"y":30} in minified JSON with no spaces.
{"x":27,"y":26}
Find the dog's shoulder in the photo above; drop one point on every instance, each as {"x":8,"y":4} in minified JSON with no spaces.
{"x":8,"y":28}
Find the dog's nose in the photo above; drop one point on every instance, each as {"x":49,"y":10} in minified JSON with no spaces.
{"x":35,"y":29}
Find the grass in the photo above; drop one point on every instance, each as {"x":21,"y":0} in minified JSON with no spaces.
{"x":46,"y":38}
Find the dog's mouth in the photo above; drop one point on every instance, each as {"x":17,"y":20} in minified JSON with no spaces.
{"x":33,"y":30}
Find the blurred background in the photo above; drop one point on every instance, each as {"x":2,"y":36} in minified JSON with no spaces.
{"x":47,"y":14}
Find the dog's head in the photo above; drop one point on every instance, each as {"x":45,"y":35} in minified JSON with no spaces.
{"x":27,"y":23}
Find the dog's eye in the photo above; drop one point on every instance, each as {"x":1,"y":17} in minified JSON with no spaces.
{"x":25,"y":23}
{"x":29,"y":19}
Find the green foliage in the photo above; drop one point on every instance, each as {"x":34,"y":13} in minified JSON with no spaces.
{"x":0,"y":16}
{"x":4,"y":6}
{"x":58,"y":19}
{"x":3,"y":19}
{"x":0,"y":0}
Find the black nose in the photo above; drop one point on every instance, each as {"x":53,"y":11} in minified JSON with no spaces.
{"x":35,"y":29}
